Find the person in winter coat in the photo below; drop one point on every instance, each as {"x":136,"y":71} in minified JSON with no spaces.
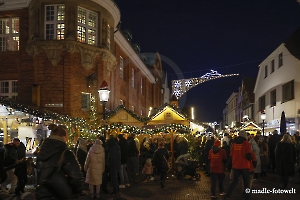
{"x":273,"y":141}
{"x":285,"y":153}
{"x":114,"y":163}
{"x":81,"y":153}
{"x":21,"y":170}
{"x":160,"y":161}
{"x":48,"y":157}
{"x":122,"y":171}
{"x":256,"y":151}
{"x":147,"y":170}
{"x":94,"y":167}
{"x":227,"y":150}
{"x":2,"y":172}
{"x":208,"y":145}
{"x":217,"y":157}
{"x":132,"y":158}
{"x":11,"y":158}
{"x":183,"y":147}
{"x":264,"y":155}
{"x":240,"y":156}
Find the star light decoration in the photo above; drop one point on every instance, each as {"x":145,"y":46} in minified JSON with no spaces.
{"x":179,"y":87}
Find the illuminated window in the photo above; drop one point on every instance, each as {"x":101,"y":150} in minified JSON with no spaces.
{"x":132,"y":108}
{"x":9,"y":89}
{"x":9,"y":34}
{"x":108,"y":36}
{"x":121,"y":102}
{"x":87,"y":26}
{"x":132,"y":78}
{"x":280,"y":60}
{"x":141,"y":85}
{"x":55,"y":22}
{"x":121,"y":68}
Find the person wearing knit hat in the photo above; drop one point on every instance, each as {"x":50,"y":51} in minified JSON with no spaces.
{"x":217,"y":157}
{"x":240,"y":158}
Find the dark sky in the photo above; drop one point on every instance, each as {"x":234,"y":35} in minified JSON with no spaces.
{"x":195,"y":36}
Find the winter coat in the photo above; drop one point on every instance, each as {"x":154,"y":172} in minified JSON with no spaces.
{"x":124,"y":150}
{"x":114,"y":154}
{"x":285,"y":155}
{"x":264,"y":153}
{"x":2,"y":173}
{"x":183,"y":147}
{"x":217,"y":157}
{"x":240,"y":153}
{"x":147,"y":169}
{"x":81,"y":152}
{"x":95,"y":165}
{"x":11,"y":154}
{"x":47,"y":158}
{"x":160,"y":159}
{"x":256,"y":151}
{"x":273,"y":141}
{"x":132,"y":149}
{"x":208,"y":145}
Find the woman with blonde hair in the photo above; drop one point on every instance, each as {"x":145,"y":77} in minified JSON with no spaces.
{"x":58,"y":170}
{"x":285,"y":155}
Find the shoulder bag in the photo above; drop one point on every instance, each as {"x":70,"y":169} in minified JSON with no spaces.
{"x":58,"y":183}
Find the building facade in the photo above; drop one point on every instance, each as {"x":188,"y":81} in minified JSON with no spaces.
{"x":277,"y":86}
{"x":55,"y":54}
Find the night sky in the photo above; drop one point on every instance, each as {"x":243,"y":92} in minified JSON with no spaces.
{"x":195,"y":36}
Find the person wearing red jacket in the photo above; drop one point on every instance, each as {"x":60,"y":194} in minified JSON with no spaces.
{"x":217,"y":157}
{"x":240,"y":155}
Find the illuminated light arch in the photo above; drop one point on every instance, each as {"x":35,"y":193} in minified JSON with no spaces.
{"x":179,"y":87}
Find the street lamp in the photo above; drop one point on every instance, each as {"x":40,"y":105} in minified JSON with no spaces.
{"x":104,"y":96}
{"x":263,"y":117}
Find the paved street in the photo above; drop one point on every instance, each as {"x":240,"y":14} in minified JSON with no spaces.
{"x":184,"y":189}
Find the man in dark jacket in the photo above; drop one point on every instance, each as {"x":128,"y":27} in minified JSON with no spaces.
{"x":21,"y":170}
{"x":48,"y":157}
{"x":2,"y":172}
{"x":208,"y":145}
{"x":132,"y":158}
{"x":11,"y":158}
{"x":160,"y":161}
{"x":273,"y":141}
{"x":122,"y":172}
{"x":114,"y":163}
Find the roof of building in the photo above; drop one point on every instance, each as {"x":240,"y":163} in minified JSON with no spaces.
{"x":293,"y":44}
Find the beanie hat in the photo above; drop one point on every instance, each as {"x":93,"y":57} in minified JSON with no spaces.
{"x":97,"y":141}
{"x":243,"y":134}
{"x":217,"y":143}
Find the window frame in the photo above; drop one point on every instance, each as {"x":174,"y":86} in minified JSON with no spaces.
{"x":132,"y":77}
{"x":262,"y":103}
{"x":266,"y":71}
{"x":85,"y":101}
{"x":121,"y":68}
{"x":55,"y":22}
{"x":272,"y":66}
{"x":11,"y":90}
{"x":10,"y":35}
{"x":141,"y":87}
{"x":273,"y":98}
{"x":288,"y":87}
{"x":89,"y":30}
{"x":280,"y":60}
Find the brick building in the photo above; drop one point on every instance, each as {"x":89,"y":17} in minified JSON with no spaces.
{"x":54,"y":55}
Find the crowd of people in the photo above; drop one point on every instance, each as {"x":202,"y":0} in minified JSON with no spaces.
{"x":93,"y":163}
{"x":248,"y":156}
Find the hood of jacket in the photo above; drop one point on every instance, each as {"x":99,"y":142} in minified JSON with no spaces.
{"x":239,"y":140}
{"x":97,"y":148}
{"x":215,"y":149}
{"x":51,"y":146}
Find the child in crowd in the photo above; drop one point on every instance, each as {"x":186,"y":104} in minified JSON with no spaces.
{"x":148,"y":170}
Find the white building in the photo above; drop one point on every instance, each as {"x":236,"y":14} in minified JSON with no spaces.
{"x":231,"y":109}
{"x":277,"y":86}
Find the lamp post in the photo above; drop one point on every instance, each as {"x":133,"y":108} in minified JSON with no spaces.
{"x":263,"y":117}
{"x":104,"y":96}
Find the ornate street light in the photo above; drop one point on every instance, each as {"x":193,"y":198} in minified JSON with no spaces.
{"x":263,"y":117}
{"x":104,"y":97}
